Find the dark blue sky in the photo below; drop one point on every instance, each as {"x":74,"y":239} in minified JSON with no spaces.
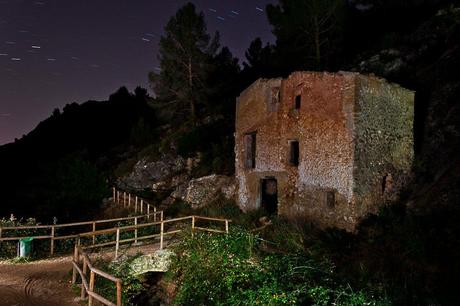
{"x":54,"y":52}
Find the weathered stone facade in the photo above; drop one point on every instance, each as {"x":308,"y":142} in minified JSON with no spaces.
{"x":324,"y":147}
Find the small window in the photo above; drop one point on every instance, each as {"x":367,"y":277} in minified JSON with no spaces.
{"x":298,"y":101}
{"x":294,"y":153}
{"x":250,"y":148}
{"x":330,"y":199}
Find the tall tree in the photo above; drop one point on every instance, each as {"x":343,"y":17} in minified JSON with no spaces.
{"x":186,"y":52}
{"x":308,"y":32}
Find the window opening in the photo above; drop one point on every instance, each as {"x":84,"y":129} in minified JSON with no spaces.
{"x":330,"y":199}
{"x":250,"y":144}
{"x":298,"y":101}
{"x":294,"y":152}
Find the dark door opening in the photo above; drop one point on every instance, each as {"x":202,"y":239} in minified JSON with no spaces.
{"x":269,"y":198}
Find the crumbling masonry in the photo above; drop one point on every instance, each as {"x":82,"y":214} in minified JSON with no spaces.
{"x":328,"y":148}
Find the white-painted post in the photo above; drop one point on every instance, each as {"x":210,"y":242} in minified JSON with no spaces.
{"x":148,"y":212}
{"x":193,"y":225}
{"x":94,"y":229}
{"x":162,"y":228}
{"x":154,"y":214}
{"x":142,"y":205}
{"x":135,"y":230}
{"x":129,"y":199}
{"x":161,"y":215}
{"x":52,"y":241}
{"x":226,"y":226}
{"x":117,"y":245}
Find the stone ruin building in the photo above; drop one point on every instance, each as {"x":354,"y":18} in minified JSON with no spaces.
{"x":327,"y":148}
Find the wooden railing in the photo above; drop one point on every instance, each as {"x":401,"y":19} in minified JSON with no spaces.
{"x":130,"y":201}
{"x":81,"y":261}
{"x":81,"y":257}
{"x":87,"y":288}
{"x":148,"y":213}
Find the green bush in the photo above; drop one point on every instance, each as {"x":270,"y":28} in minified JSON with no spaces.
{"x":131,"y":285}
{"x":231,"y":269}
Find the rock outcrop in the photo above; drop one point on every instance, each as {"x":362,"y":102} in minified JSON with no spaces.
{"x":202,"y":191}
{"x":145,"y":173}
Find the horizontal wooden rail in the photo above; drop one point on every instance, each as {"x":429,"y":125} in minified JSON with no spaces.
{"x":89,"y":288}
{"x":149,"y":213}
{"x":80,"y":250}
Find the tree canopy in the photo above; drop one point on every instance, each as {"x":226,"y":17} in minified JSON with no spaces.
{"x":186,"y":53}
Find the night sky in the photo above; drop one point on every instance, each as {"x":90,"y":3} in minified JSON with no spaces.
{"x":54,"y":52}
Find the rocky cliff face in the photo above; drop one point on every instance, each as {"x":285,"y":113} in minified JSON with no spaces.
{"x":171,"y":176}
{"x":146,"y":174}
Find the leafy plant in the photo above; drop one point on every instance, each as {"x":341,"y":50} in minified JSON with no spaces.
{"x":232,"y":269}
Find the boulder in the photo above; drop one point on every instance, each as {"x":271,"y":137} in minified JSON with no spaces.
{"x":146,"y":173}
{"x":202,"y":191}
{"x":159,"y":261}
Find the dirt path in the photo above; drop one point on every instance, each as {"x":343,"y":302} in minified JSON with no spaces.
{"x":44,"y":282}
{"x":47,"y":282}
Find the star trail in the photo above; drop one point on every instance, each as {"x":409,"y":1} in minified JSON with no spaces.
{"x":57,"y":52}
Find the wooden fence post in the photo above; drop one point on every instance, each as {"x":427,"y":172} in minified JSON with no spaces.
{"x":193,"y":225}
{"x":226,"y":226}
{"x":75,"y":258}
{"x":118,"y":197}
{"x":161,"y":235}
{"x":142,"y":205}
{"x":135,"y":202}
{"x":118,"y":293}
{"x":161,"y":215}
{"x":113,"y":192}
{"x":117,"y":245}
{"x":154,"y":214}
{"x":129,"y":199}
{"x":135,"y":230}
{"x":148,"y":212}
{"x":94,"y":229}
{"x":52,"y":241}
{"x":85,"y":268}
{"x":135,"y":208}
{"x":91,"y":288}
{"x":124,"y":199}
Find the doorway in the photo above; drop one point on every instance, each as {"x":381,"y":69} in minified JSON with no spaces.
{"x":269,"y":196}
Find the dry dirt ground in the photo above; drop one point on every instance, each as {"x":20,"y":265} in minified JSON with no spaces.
{"x":47,"y":282}
{"x":44,"y":282}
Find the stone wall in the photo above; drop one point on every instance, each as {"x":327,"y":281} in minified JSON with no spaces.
{"x":323,"y":126}
{"x":337,"y":111}
{"x":383,"y":142}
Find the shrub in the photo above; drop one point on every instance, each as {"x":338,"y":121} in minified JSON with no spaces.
{"x":231,"y":269}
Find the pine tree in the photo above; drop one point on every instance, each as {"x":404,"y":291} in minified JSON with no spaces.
{"x":186,"y":53}
{"x":308,"y":32}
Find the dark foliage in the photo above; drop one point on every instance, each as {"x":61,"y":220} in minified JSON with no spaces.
{"x":59,"y":168}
